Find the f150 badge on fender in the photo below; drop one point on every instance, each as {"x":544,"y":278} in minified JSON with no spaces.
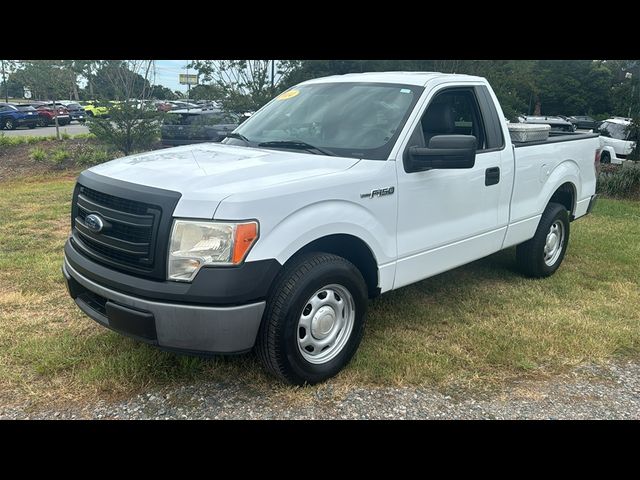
{"x":378,"y":192}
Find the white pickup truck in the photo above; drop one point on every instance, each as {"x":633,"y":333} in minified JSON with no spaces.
{"x":338,"y":190}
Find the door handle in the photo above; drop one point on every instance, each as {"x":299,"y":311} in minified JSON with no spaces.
{"x":491,"y":176}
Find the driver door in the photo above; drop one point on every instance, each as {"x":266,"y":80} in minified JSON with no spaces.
{"x":448,"y":217}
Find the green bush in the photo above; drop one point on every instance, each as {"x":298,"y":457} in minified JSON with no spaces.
{"x":90,"y":155}
{"x":620,"y":182}
{"x":38,"y":154}
{"x":11,"y":141}
{"x":128,"y":128}
{"x":59,"y":156}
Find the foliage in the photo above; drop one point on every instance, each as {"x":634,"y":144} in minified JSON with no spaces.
{"x":245,"y":85}
{"x":620,"y":182}
{"x":160,"y":92}
{"x":123,"y":79}
{"x":47,"y":79}
{"x":90,"y":155}
{"x":38,"y":154}
{"x":206,"y":92}
{"x":11,"y":141}
{"x":128,"y":128}
{"x":59,"y":156}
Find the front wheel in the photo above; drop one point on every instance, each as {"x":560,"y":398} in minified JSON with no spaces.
{"x":9,"y":124}
{"x":542,"y":255}
{"x":314,"y":319}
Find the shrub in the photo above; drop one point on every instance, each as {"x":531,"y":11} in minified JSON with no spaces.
{"x":90,"y":155}
{"x":38,"y":154}
{"x":620,"y":182}
{"x":128,"y":128}
{"x":59,"y":156}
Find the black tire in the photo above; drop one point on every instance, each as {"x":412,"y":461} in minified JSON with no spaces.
{"x":277,"y":342}
{"x":9,"y":124}
{"x":605,"y":157}
{"x":43,"y":122}
{"x":530,"y":254}
{"x":89,"y":113}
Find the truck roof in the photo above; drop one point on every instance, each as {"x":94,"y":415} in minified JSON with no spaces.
{"x":408,"y":78}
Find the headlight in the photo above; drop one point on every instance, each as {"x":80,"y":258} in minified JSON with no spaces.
{"x":194,"y":244}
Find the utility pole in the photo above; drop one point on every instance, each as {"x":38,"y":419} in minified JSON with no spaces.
{"x":56,"y":119}
{"x":6,"y":86}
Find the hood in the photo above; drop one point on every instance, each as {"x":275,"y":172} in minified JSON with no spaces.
{"x":207,"y":173}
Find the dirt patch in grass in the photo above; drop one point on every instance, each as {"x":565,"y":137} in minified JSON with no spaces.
{"x":17,"y":161}
{"x":475,"y":327}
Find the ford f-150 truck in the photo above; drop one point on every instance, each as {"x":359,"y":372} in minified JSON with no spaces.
{"x":337,"y":190}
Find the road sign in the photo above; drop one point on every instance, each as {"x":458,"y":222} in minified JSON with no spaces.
{"x":27,"y":93}
{"x":188,"y":79}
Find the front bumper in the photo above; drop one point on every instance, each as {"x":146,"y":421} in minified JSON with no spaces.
{"x":178,"y":326}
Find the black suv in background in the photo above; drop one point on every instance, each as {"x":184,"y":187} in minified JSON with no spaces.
{"x":583,"y":122}
{"x":183,"y":127}
{"x":76,"y":112}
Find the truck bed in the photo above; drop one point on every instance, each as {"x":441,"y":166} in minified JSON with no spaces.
{"x":557,"y":137}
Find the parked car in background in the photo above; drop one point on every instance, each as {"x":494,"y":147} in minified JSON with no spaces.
{"x":557,"y":124}
{"x":162,"y":106}
{"x":47,"y":114}
{"x":615,"y":141}
{"x":183,"y":127}
{"x":13,"y":116}
{"x":76,"y":112}
{"x":582,"y":122}
{"x":95,"y":109}
{"x":177,"y":105}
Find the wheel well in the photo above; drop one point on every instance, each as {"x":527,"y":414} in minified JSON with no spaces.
{"x":565,"y":195}
{"x":353,"y":249}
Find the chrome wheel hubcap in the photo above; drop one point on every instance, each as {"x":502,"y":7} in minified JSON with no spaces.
{"x":554,"y":242}
{"x":325,"y":324}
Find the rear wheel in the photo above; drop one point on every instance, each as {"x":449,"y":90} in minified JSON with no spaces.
{"x":542,"y":255}
{"x":314,"y":319}
{"x":9,"y":124}
{"x":42,"y":122}
{"x":605,"y":157}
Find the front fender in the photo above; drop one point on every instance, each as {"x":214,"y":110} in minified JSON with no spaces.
{"x":320,"y":219}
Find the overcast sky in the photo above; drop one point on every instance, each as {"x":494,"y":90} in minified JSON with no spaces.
{"x":167,"y":73}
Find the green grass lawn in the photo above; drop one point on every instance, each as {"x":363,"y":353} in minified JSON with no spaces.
{"x":476,"y":327}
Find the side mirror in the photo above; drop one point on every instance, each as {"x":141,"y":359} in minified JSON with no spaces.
{"x":444,"y":151}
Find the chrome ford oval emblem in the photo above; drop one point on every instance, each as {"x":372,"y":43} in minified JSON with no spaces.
{"x":94,"y":223}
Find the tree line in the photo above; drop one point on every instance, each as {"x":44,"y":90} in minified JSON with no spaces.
{"x":600,"y":88}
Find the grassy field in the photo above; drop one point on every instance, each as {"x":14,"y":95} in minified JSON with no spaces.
{"x":475,"y":327}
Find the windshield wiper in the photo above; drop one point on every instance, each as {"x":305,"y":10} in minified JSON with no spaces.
{"x":297,"y":145}
{"x":239,"y":136}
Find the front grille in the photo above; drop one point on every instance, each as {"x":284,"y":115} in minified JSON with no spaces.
{"x":128,"y":239}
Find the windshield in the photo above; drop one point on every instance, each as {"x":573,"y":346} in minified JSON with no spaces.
{"x":614,"y":130}
{"x":360,"y":120}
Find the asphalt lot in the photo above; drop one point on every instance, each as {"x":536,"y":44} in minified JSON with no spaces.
{"x":72,"y":129}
